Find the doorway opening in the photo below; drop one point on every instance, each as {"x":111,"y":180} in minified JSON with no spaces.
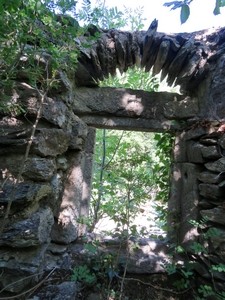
{"x":130,"y":186}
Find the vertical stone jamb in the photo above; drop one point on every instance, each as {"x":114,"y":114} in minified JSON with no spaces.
{"x":87,"y":179}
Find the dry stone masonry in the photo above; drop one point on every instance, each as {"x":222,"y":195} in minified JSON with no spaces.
{"x":49,"y":192}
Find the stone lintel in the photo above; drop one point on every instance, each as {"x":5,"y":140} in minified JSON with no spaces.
{"x":131,"y":123}
{"x":133,"y":109}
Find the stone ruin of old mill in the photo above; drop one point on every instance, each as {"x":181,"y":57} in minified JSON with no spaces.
{"x":43,"y":197}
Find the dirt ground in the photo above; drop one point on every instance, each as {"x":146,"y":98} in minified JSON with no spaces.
{"x":154,"y":287}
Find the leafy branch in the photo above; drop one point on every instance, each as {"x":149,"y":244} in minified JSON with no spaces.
{"x":184,"y":7}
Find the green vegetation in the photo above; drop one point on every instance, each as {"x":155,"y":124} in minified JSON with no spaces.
{"x":29,"y":33}
{"x":110,"y":17}
{"x":123,"y":176}
{"x":186,"y":270}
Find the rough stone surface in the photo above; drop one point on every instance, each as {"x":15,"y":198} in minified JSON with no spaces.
{"x":51,"y":142}
{"x":184,"y":109}
{"x":10,"y":166}
{"x":62,"y":163}
{"x":210,"y":177}
{"x":78,"y":133}
{"x":215,"y":215}
{"x":222,"y":142}
{"x":87,"y":178}
{"x":35,"y":168}
{"x":131,"y":109}
{"x":205,"y":204}
{"x":16,"y":265}
{"x":218,"y":239}
{"x":29,"y":232}
{"x":211,"y":191}
{"x":55,"y":112}
{"x":65,"y":229}
{"x":57,"y":191}
{"x":211,"y":152}
{"x":216,"y":166}
{"x":195,"y":152}
{"x":24,"y":193}
{"x":185,"y":187}
{"x":39,"y":169}
{"x":66,"y":291}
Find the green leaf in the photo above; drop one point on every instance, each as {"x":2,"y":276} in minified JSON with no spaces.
{"x":219,"y":3}
{"x":216,"y":10}
{"x":39,"y":6}
{"x":184,"y":13}
{"x":174,"y":4}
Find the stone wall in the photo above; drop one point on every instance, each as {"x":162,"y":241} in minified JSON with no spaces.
{"x":196,"y":204}
{"x":49,"y":192}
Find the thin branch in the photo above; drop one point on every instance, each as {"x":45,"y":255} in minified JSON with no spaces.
{"x":30,"y":290}
{"x":18,"y":281}
{"x":153,"y":286}
{"x":115,"y":150}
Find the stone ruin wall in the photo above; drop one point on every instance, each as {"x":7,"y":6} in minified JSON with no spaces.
{"x":54,"y":188}
{"x":53,"y":191}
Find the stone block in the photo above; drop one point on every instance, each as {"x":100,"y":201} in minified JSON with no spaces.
{"x":210,"y":152}
{"x":222,"y":141}
{"x":205,"y":204}
{"x":197,"y":133}
{"x":57,"y":189}
{"x":66,"y":291}
{"x":208,"y":141}
{"x":65,"y":230}
{"x":50,"y":142}
{"x":24,"y":193}
{"x":216,"y":166}
{"x":182,"y":109}
{"x":215,"y":215}
{"x":194,"y":152}
{"x":218,"y":238}
{"x":78,"y":133}
{"x":188,"y":199}
{"x":29,"y":232}
{"x":210,"y":177}
{"x":13,"y":135}
{"x":211,"y":191}
{"x":39,"y":169}
{"x":21,"y":268}
{"x":35,"y":168}
{"x":180,"y":148}
{"x":55,"y":111}
{"x":62,"y":163}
